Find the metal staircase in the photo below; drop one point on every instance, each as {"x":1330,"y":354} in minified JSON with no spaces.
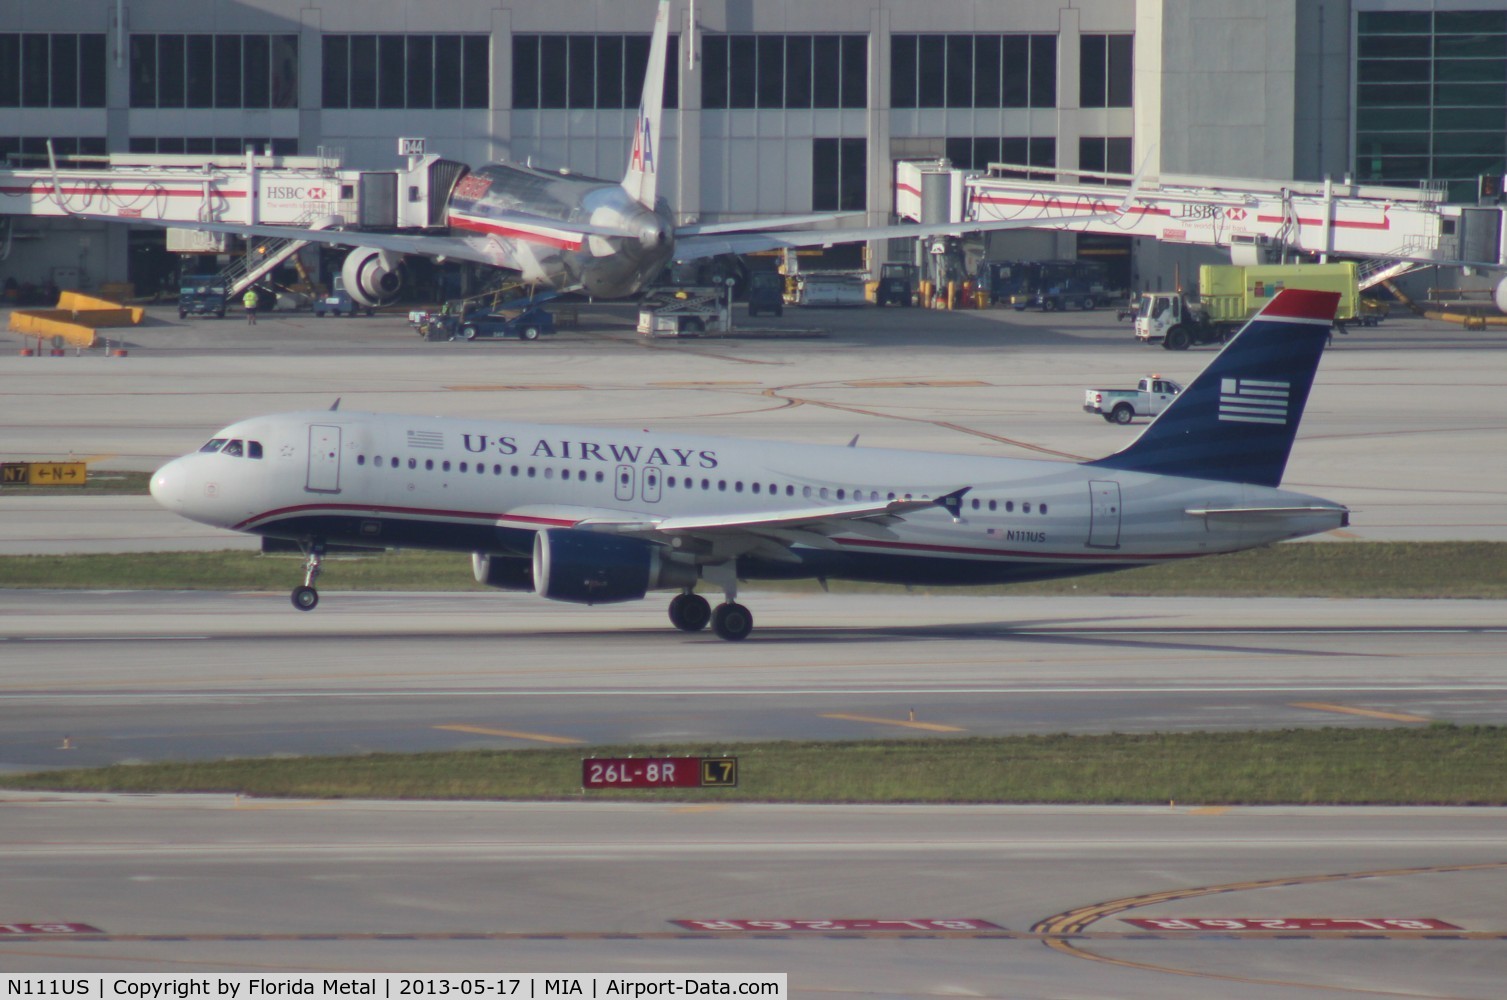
{"x":264,"y":254}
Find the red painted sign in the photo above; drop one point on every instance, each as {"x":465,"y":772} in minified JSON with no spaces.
{"x":29,"y":930}
{"x":1292,"y":924}
{"x":659,"y":772}
{"x":964,"y":924}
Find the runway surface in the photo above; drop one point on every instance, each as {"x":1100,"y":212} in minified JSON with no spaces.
{"x":1315,"y":902}
{"x":1055,"y":902}
{"x":94,"y":678}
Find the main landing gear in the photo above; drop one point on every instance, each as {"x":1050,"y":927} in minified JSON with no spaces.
{"x":305,"y":597}
{"x":691,"y":612}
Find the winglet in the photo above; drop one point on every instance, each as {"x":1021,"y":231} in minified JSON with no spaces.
{"x":643,"y":159}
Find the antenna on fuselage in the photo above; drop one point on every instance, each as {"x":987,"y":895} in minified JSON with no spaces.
{"x":335,"y":405}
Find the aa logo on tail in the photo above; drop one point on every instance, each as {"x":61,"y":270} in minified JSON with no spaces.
{"x":642,"y":158}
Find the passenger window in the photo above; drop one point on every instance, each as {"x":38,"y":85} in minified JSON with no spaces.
{"x":445,"y":465}
{"x":393,"y":462}
{"x":757,"y":486}
{"x":213,"y":444}
{"x":413,"y":463}
{"x":976,"y":503}
{"x":823,"y":492}
{"x":253,"y":449}
{"x":601,"y":477}
{"x":549,"y":473}
{"x":1043,"y":508}
{"x":993,"y":504}
{"x":429,"y":465}
{"x":1009,"y":506}
{"x":670,"y":482}
{"x":360,"y":459}
{"x":806,"y":492}
{"x":233,"y":449}
{"x":790,"y":490}
{"x":842,"y":494}
{"x":464,"y":466}
{"x":738,"y":486}
{"x":1025,"y":508}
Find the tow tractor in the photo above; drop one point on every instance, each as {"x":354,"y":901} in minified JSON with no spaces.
{"x":485,"y":316}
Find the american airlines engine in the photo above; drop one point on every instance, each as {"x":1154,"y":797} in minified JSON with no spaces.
{"x":596,"y":515}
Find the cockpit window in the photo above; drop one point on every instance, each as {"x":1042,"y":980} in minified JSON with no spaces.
{"x":233,"y":449}
{"x":213,"y":444}
{"x":253,"y":449}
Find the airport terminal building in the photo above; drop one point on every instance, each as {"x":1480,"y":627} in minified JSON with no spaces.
{"x":776,"y":106}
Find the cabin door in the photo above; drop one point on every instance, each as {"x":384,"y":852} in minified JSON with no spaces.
{"x":324,"y":459}
{"x":1104,"y":514}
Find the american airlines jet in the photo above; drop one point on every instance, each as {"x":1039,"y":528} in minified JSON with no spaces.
{"x":598,"y":515}
{"x":571,"y":233}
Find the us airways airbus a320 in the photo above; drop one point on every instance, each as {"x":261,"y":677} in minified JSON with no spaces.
{"x":598,"y":515}
{"x":571,"y":233}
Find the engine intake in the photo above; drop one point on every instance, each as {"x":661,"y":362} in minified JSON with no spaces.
{"x":372,"y":277}
{"x":588,"y":567}
{"x":503,"y":572}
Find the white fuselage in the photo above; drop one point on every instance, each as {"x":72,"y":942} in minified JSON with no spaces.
{"x":487,"y":486}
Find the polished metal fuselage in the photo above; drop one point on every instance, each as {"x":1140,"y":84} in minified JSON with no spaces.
{"x":510,"y":206}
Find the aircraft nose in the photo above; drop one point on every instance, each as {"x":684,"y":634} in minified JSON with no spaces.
{"x":168,"y":484}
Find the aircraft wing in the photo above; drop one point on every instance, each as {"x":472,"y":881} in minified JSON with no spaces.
{"x":450,"y":247}
{"x":773,"y":222}
{"x":771,"y":533}
{"x":714,"y":243}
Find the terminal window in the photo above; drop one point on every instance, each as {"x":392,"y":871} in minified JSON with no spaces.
{"x":214,"y":71}
{"x":973,"y":71}
{"x":1109,"y":154}
{"x":40,"y":70}
{"x":1105,"y":71}
{"x":406,"y":71}
{"x":784,"y":71}
{"x":1430,"y":97}
{"x":839,"y":170}
{"x":979,"y":152}
{"x":585,"y":72}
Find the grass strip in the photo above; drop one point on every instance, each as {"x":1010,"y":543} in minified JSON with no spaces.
{"x":1431,"y":765}
{"x":1348,"y":569}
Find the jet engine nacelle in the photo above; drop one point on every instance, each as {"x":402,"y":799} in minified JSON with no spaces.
{"x":588,"y":567}
{"x":372,"y":277}
{"x":503,"y":572}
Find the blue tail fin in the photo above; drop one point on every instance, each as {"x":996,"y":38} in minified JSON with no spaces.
{"x":1237,"y":421}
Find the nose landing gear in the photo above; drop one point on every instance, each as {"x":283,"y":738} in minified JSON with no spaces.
{"x":305,"y":597}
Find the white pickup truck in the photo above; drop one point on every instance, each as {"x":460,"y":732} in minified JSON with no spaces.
{"x":1121,"y":406}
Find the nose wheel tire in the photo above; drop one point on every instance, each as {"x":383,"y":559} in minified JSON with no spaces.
{"x":305,"y":598}
{"x":690,"y":612}
{"x":732,"y":621}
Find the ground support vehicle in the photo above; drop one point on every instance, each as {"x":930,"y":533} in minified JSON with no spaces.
{"x":1049,"y":285}
{"x":1121,"y":406}
{"x":684,"y":311}
{"x":202,"y":295}
{"x":1231,"y":294}
{"x":896,"y":285}
{"x":339,"y":303}
{"x":831,"y":288}
{"x":766,"y":293}
{"x":526,"y":324}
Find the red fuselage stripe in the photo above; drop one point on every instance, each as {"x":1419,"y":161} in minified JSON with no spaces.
{"x":497,"y":229}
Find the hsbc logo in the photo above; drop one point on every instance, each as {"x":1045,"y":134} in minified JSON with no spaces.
{"x":1235,"y":214}
{"x":293,"y":192}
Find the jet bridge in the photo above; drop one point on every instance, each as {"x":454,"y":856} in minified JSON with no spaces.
{"x":312,"y":192}
{"x":1256,"y":221}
